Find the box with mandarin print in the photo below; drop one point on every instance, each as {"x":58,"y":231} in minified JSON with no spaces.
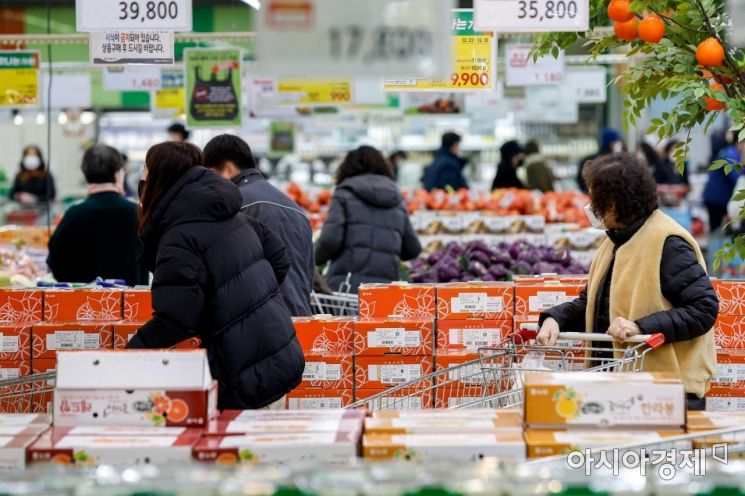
{"x":325,"y":334}
{"x":67,"y":305}
{"x":466,"y":382}
{"x":21,"y":306}
{"x":729,"y":328}
{"x":537,"y":294}
{"x":328,"y":371}
{"x":397,"y":300}
{"x":394,"y":336}
{"x":137,"y":305}
{"x":124,"y":331}
{"x":15,"y":398}
{"x":471,"y":334}
{"x":47,"y":338}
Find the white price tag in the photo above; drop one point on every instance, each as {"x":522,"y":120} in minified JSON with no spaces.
{"x":410,"y":403}
{"x":102,"y":15}
{"x":8,"y":344}
{"x":522,"y":71}
{"x":589,"y":85}
{"x":394,"y":374}
{"x":531,"y":16}
{"x":73,"y":340}
{"x":471,"y":374}
{"x":314,"y":403}
{"x":131,"y":78}
{"x":398,"y":338}
{"x":9,"y":374}
{"x":545,"y":300}
{"x":476,"y":302}
{"x":131,"y":47}
{"x":348,"y":38}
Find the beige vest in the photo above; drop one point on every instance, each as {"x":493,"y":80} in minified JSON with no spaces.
{"x":635,"y":292}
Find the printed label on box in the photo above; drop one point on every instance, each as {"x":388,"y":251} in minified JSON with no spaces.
{"x":394,"y":374}
{"x":73,"y":340}
{"x":458,"y":401}
{"x":476,"y":338}
{"x":729,"y":372}
{"x":399,"y":337}
{"x":76,"y":442}
{"x":476,"y":302}
{"x":724,"y":404}
{"x":9,"y":374}
{"x":545,"y":300}
{"x":469,"y":374}
{"x":410,"y":403}
{"x":8,"y":344}
{"x":321,"y":371}
{"x":314,"y":403}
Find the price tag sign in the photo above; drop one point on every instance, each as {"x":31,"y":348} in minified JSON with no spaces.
{"x":131,"y":47}
{"x":354,"y":38}
{"x":19,"y":78}
{"x":302,"y":91}
{"x":589,"y":85}
{"x":131,"y":78}
{"x":472,"y":66}
{"x":550,"y":105}
{"x":105,"y":15}
{"x":522,"y":71}
{"x":168,"y":102}
{"x":532,"y":16}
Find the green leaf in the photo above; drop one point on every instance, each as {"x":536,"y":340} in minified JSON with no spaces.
{"x":699,"y":92}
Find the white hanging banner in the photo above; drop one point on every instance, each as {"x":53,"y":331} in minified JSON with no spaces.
{"x":354,"y":38}
{"x":532,"y":16}
{"x":590,"y":84}
{"x":141,"y":15}
{"x":520,"y":70}
{"x":131,"y":78}
{"x":131,"y":47}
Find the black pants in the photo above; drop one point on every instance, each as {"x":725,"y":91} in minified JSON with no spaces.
{"x":716,"y":216}
{"x":695,"y":403}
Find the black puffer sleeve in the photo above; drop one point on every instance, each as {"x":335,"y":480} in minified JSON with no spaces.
{"x":570,"y":315}
{"x":687,"y":286}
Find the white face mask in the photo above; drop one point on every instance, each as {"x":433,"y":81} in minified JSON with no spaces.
{"x":594,"y":221}
{"x":31,"y":162}
{"x":617,"y":147}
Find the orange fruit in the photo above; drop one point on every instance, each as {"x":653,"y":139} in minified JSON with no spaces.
{"x":651,"y":29}
{"x":178,"y":412}
{"x":710,"y":53}
{"x":618,"y":10}
{"x":61,"y":459}
{"x":226,"y":459}
{"x":161,"y":404}
{"x":627,"y":31}
{"x":712,"y":104}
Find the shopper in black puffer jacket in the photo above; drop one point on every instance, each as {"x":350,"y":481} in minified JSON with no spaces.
{"x":216,"y":275}
{"x":367,"y":232}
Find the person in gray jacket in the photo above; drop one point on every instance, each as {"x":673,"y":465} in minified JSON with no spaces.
{"x":231,"y":157}
{"x":367,"y":232}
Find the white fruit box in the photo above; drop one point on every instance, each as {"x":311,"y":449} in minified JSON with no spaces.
{"x":24,"y":424}
{"x":265,"y":422}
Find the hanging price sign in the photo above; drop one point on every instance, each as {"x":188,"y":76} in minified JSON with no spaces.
{"x":19,"y":78}
{"x":472,"y":65}
{"x":589,"y":85}
{"x":104,"y":15}
{"x":302,"y":91}
{"x":520,"y":70}
{"x":131,"y":78}
{"x":353,"y":38}
{"x":532,"y":16}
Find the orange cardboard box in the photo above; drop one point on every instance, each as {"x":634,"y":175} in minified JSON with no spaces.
{"x":327,"y":371}
{"x":21,"y":305}
{"x":519,"y":320}
{"x":15,"y":399}
{"x":15,"y":343}
{"x":137,"y":305}
{"x":398,"y":301}
{"x":532,"y":299}
{"x":465,"y":382}
{"x":560,"y":278}
{"x":730,"y":369}
{"x":42,"y":402}
{"x":401,"y":400}
{"x":475,"y":300}
{"x":731,"y":296}
{"x":66,"y":305}
{"x":725,"y":399}
{"x":123,"y":332}
{"x":394,"y":337}
{"x":542,"y":443}
{"x":380,"y":372}
{"x":50,"y":337}
{"x":319,"y":399}
{"x":43,"y":365}
{"x":472,"y":334}
{"x":324,"y":334}
{"x":729,"y":332}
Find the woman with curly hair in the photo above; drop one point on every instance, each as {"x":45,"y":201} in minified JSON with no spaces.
{"x":368,"y":231}
{"x":648,"y":276}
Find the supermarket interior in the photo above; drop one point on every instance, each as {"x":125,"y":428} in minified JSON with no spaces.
{"x":367,"y":248}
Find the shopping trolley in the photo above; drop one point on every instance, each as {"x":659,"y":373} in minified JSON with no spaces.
{"x":494,"y":380}
{"x":28,"y":394}
{"x":340,"y":303}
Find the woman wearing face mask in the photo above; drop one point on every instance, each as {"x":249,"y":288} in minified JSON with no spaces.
{"x":512,"y":156}
{"x":33,"y":184}
{"x":648,"y":277}
{"x":216,"y":275}
{"x":98,"y":237}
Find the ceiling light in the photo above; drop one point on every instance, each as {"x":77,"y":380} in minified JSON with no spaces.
{"x":253,"y":3}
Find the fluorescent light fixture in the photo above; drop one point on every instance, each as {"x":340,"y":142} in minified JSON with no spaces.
{"x":62,"y":118}
{"x":41,"y":119}
{"x":87,"y":118}
{"x":253,"y":3}
{"x":18,"y":119}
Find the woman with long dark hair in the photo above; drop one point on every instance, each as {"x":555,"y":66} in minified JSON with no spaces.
{"x":367,"y":232}
{"x":33,"y":183}
{"x":216,"y":275}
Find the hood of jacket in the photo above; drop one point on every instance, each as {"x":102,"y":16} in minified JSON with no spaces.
{"x":199,"y":196}
{"x":374,"y":189}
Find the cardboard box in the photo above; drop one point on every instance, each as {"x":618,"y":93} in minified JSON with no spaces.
{"x":67,"y":305}
{"x":13,"y":450}
{"x":319,"y":399}
{"x":279,"y":415}
{"x":394,"y":337}
{"x":137,"y":305}
{"x":603,"y":399}
{"x":731,"y":296}
{"x":331,"y":371}
{"x":285,"y":448}
{"x":42,"y":365}
{"x":50,"y":337}
{"x":729,"y":332}
{"x":519,"y":320}
{"x":475,"y":300}
{"x":543,"y":443}
{"x":700,"y":421}
{"x":532,"y":299}
{"x":471,"y":335}
{"x":123,"y":332}
{"x":143,"y":388}
{"x":725,"y":399}
{"x":14,"y":369}
{"x":730,"y":371}
{"x":442,"y":424}
{"x":399,"y":400}
{"x":21,"y":306}
{"x":266,"y":422}
{"x":15,"y":343}
{"x":381,"y":372}
{"x":465,"y":383}
{"x":461,"y":447}
{"x":397,"y":300}
{"x":24,"y":424}
{"x":449,"y":413}
{"x":120,"y":450}
{"x":325,"y":334}
{"x":559,"y":278}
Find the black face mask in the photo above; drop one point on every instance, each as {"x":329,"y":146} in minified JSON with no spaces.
{"x":141,"y":188}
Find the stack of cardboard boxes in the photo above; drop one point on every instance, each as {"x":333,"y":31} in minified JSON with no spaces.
{"x":727,"y":391}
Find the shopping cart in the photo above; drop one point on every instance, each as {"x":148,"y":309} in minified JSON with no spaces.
{"x":494,"y":380}
{"x":341,"y":303}
{"x":28,"y":394}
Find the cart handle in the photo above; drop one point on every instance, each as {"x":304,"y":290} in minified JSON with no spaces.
{"x":530,"y":331}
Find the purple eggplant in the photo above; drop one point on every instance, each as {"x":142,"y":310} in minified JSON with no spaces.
{"x":560,"y":256}
{"x":501,"y":257}
{"x":448,"y":273}
{"x":543,"y":268}
{"x":499,"y":271}
{"x":479,"y":256}
{"x":454,"y":249}
{"x":488,"y":277}
{"x":522,"y":268}
{"x":477,"y":269}
{"x":435,"y":257}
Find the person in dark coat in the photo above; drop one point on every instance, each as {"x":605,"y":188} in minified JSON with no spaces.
{"x":98,"y":238}
{"x":368,"y":231}
{"x":216,"y":275}
{"x":649,"y":276}
{"x":538,"y":172}
{"x":447,"y":168}
{"x":720,"y":185}
{"x":33,"y":184}
{"x":511,"y":157}
{"x":667,"y":171}
{"x":610,"y":142}
{"x":231,"y":157}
